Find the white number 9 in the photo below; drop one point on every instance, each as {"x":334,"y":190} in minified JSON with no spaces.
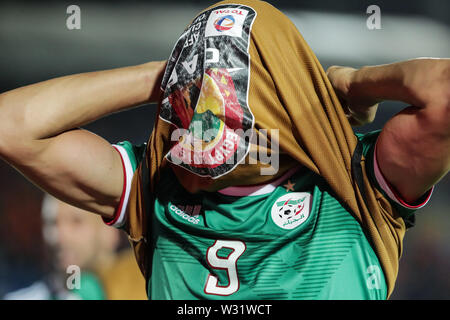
{"x":229,"y":264}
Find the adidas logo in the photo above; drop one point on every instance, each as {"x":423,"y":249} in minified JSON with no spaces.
{"x":188,"y":212}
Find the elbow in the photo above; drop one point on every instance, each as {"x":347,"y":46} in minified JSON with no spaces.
{"x":6,"y":142}
{"x":18,"y":143}
{"x":437,"y":108}
{"x":447,"y":120}
{"x":436,"y":120}
{"x":427,"y":82}
{"x":438,"y":114}
{"x":441,"y":88}
{"x":3,"y":129}
{"x":12,"y":138}
{"x":16,"y":150}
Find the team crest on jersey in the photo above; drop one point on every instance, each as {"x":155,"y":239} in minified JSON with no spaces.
{"x":291,"y":210}
{"x":205,"y":87}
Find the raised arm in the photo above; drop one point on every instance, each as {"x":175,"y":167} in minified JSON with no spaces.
{"x":413,"y":150}
{"x":39,"y":135}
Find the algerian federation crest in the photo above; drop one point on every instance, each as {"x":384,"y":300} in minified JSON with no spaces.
{"x":291,"y":210}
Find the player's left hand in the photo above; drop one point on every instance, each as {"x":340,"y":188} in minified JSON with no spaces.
{"x":359,"y":110}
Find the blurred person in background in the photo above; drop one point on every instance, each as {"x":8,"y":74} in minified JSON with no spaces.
{"x":74,"y":237}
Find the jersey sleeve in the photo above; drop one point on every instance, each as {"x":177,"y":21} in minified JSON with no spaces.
{"x":131,"y":155}
{"x":405,"y":208}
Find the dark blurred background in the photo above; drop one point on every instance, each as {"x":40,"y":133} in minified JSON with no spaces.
{"x":36,"y":45}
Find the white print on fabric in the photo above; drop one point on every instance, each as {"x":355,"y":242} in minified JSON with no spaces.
{"x":226,"y":22}
{"x":206,"y":85}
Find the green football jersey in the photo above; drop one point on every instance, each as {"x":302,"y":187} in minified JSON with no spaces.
{"x":290,"y":239}
{"x":91,"y":287}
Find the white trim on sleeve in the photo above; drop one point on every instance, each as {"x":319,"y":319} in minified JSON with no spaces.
{"x":119,"y":216}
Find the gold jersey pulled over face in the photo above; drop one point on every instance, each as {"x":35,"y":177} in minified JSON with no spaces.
{"x":245,"y":100}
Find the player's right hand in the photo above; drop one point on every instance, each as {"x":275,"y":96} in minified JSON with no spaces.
{"x":360,"y":110}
